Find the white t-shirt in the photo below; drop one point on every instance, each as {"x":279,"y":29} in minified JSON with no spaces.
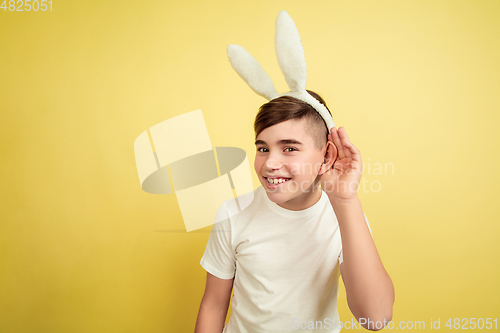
{"x":285,"y":266}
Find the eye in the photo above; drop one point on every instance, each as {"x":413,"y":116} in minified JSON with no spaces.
{"x":292,"y":149}
{"x":260,"y":149}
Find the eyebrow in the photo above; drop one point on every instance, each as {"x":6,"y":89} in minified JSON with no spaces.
{"x":280,"y":142}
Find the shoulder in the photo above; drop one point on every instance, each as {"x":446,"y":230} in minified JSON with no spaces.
{"x":234,"y":208}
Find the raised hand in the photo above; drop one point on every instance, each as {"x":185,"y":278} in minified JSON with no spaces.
{"x":342,"y":180}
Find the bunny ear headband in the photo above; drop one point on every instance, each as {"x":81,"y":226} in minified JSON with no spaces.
{"x":291,"y":59}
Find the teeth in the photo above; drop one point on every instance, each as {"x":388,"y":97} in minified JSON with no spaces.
{"x":276,"y":180}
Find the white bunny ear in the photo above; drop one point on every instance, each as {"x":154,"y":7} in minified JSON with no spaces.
{"x":290,"y":52}
{"x":251,"y":71}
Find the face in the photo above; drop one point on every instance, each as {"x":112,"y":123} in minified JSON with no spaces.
{"x":287,"y":163}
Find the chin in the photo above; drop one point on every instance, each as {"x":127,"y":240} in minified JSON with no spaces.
{"x":278,"y":198}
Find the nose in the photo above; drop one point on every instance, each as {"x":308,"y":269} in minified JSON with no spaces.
{"x":272,"y":163}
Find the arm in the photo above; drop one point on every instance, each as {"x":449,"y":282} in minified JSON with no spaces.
{"x":369,"y":289}
{"x":214,"y":305}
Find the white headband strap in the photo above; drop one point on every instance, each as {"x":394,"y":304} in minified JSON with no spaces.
{"x":290,"y":54}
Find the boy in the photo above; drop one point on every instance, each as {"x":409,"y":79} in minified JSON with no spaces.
{"x":283,"y":254}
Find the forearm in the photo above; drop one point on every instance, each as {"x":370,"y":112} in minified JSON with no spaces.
{"x":210,"y":319}
{"x":369,"y":289}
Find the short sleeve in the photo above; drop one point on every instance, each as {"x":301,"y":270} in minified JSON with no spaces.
{"x":341,"y":256}
{"x":219,"y":257}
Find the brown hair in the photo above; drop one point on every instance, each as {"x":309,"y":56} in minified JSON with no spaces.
{"x":286,"y":108}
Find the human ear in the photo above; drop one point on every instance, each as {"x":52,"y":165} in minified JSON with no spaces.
{"x":329,"y":158}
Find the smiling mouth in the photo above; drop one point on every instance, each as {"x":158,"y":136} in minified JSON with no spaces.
{"x":276,"y":180}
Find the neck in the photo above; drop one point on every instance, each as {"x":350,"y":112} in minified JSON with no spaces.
{"x":307,"y":199}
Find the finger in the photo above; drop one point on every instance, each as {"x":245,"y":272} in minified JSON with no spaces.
{"x":351,"y":150}
{"x":338,"y":143}
{"x":341,"y":132}
{"x":345,"y":143}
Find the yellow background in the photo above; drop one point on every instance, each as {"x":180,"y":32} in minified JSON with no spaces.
{"x":84,"y":249}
